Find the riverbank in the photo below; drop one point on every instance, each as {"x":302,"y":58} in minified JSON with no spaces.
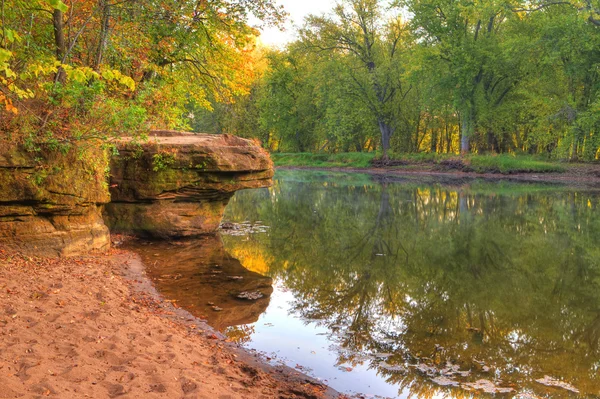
{"x":576,"y":174}
{"x":94,"y":327}
{"x":439,"y":163}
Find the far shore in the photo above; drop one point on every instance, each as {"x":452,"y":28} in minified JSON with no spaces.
{"x":450,"y":166}
{"x":95,"y":327}
{"x":580,"y":175}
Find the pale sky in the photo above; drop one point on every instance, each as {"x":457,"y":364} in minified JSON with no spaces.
{"x":297,"y":10}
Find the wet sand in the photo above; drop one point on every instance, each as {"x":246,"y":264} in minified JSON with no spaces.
{"x":94,"y":327}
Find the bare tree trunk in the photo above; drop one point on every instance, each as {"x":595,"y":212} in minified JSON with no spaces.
{"x":386,"y":133}
{"x":299,"y":143}
{"x":448,"y":136}
{"x":103,"y":39}
{"x":359,"y":146}
{"x":59,"y":41}
{"x":448,"y":141}
{"x":415,"y":145}
{"x":492,"y":142}
{"x":574,"y":154}
{"x":434,"y":141}
{"x":466,"y":131}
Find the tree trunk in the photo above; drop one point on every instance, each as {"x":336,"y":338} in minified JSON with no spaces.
{"x":386,"y":134}
{"x":103,"y":38}
{"x":299,"y":143}
{"x":434,"y":141}
{"x":575,"y":153}
{"x":448,"y":137}
{"x":519,"y":139}
{"x":415,"y":146}
{"x":59,"y":42}
{"x":466,"y":131}
{"x":492,"y":142}
{"x":359,"y":145}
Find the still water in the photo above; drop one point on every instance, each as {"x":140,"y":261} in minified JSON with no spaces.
{"x":405,"y":288}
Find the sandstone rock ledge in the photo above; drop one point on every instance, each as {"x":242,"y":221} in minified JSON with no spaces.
{"x":50,"y":200}
{"x":178,"y":184}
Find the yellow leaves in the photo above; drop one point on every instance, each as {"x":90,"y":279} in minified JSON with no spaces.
{"x":6,"y":76}
{"x":58,"y":5}
{"x":108,"y":74}
{"x":11,"y":35}
{"x":4,"y":55}
{"x":40,"y":69}
{"x":80,"y":74}
{"x":113,"y":75}
{"x":20,"y":92}
{"x":127,"y":82}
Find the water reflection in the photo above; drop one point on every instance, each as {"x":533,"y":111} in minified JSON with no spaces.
{"x":441,"y":289}
{"x":204,"y":279}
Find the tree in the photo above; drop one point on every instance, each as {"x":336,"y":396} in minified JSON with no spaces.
{"x":466,"y":36}
{"x":287,"y":106}
{"x":373,"y":47}
{"x":87,"y":61}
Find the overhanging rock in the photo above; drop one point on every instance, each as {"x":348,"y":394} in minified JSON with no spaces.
{"x":178,"y":184}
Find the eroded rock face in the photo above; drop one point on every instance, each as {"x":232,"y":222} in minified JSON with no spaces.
{"x":50,"y":200}
{"x":178,"y":184}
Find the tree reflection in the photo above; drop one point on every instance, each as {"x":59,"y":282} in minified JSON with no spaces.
{"x":440,"y":286}
{"x":203,"y":278}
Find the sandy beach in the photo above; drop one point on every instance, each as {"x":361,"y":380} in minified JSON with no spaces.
{"x":92,"y":327}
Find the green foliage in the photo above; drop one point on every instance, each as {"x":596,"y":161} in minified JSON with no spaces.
{"x":162,"y":160}
{"x":98,"y":69}
{"x":508,"y":77}
{"x":408,"y":76}
{"x":508,"y":164}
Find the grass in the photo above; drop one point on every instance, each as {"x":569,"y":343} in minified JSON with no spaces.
{"x":505,"y":163}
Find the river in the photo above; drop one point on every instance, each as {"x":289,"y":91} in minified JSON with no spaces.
{"x":404,"y":287}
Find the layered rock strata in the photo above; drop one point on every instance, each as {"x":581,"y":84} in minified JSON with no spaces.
{"x":50,"y":200}
{"x":178,"y":184}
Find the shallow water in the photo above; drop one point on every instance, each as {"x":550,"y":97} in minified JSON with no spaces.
{"x":406,"y":288}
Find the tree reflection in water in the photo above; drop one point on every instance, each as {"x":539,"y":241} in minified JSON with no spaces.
{"x":438,"y":286}
{"x":205,"y":280}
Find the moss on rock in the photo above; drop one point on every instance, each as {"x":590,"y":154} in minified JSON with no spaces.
{"x":49,"y":202}
{"x":187,"y":195}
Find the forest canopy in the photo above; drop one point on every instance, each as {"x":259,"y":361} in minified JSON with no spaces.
{"x":441,"y":76}
{"x":96,"y":68}
{"x":406,"y":76}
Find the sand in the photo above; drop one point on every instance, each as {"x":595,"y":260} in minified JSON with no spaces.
{"x":92,"y":327}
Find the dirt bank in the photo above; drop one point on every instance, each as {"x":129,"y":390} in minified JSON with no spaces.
{"x":93,"y":327}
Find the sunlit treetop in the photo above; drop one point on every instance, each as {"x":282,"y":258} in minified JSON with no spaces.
{"x":147,"y":58}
